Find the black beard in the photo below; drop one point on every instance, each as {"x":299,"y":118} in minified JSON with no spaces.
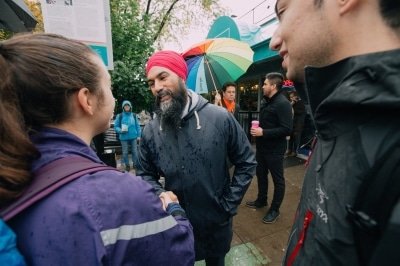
{"x":170,"y":112}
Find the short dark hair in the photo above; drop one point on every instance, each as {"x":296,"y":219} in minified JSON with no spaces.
{"x":390,"y":11}
{"x":275,"y":78}
{"x":228,"y":84}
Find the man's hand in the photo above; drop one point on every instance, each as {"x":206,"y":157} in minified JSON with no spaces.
{"x":256,"y":132}
{"x":167,"y":198}
{"x":217,"y":99}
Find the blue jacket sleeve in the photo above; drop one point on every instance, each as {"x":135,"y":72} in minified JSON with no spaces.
{"x":9,"y":254}
{"x":117,"y":124}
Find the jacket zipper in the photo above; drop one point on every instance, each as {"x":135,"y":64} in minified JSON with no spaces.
{"x":313,"y":144}
{"x":307,"y":220}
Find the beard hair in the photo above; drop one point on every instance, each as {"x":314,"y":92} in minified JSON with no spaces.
{"x":170,"y":112}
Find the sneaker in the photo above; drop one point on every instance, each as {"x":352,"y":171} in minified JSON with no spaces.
{"x":127,"y":168}
{"x":255,"y":204}
{"x":271,"y":217}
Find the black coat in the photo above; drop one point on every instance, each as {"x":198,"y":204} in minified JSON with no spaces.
{"x":276,"y":120}
{"x":193,"y":162}
{"x":355,"y":104}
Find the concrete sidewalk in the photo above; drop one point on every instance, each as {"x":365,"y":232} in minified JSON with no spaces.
{"x":256,"y":243}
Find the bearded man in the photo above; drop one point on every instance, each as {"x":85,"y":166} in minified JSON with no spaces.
{"x":188,"y":144}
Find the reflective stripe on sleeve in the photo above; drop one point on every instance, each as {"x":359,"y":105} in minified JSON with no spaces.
{"x":128,"y":232}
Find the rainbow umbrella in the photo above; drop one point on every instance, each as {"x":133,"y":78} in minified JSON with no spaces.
{"x":213,"y":62}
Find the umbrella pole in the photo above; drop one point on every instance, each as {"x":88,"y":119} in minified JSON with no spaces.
{"x":212,"y":77}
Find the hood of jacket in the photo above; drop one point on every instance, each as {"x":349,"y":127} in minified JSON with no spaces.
{"x":54,"y":143}
{"x":126,"y":102}
{"x":194,"y":103}
{"x":349,"y":92}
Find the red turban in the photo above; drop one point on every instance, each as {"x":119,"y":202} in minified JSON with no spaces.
{"x":168,"y":59}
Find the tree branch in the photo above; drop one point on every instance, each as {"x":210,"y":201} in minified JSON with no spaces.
{"x":164,"y":20}
{"x":148,"y":7}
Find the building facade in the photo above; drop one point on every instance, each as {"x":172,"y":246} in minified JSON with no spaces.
{"x":255,"y":28}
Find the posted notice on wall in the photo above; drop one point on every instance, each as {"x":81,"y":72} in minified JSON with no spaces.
{"x":85,"y":20}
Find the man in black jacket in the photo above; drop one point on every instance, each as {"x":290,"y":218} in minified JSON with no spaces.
{"x":188,"y":143}
{"x":276,"y":123}
{"x":348,"y":54}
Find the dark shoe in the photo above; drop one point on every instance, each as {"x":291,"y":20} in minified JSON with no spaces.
{"x":271,"y":217}
{"x":127,"y":168}
{"x":255,"y":204}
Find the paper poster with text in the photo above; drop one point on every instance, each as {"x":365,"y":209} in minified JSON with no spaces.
{"x":85,"y":20}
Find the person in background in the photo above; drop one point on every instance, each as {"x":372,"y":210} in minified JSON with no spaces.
{"x":127,"y":126}
{"x":187,"y":144}
{"x":228,"y":99}
{"x":348,"y":55}
{"x":299,"y":115}
{"x":275,"y":124}
{"x":55,"y":96}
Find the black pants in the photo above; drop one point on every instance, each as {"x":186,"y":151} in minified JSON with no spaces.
{"x":295,"y":136}
{"x":273,"y":164}
{"x":215,"y":261}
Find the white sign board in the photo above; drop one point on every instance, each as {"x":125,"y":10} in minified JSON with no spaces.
{"x":87,"y":21}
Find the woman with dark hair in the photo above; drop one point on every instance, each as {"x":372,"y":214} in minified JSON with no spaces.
{"x":55,"y":97}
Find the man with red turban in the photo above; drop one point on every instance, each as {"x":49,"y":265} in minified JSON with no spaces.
{"x":188,"y":144}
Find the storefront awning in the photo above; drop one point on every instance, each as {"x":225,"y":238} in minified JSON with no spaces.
{"x":258,"y":37}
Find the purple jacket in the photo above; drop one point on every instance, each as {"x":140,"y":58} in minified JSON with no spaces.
{"x":105,"y":218}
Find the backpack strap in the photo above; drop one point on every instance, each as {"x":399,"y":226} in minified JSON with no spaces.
{"x":49,"y":178}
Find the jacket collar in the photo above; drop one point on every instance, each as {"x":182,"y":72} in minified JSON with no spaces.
{"x":344,"y":94}
{"x":267,"y":100}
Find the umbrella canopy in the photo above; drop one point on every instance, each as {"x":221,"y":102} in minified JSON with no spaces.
{"x":213,"y":62}
{"x":15,"y":16}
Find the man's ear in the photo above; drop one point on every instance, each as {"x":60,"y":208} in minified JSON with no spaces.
{"x":86,"y":101}
{"x":347,"y":5}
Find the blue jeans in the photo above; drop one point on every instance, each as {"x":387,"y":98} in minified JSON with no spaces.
{"x":125,"y":152}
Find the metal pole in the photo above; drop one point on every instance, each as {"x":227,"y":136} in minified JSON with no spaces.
{"x":212,"y":77}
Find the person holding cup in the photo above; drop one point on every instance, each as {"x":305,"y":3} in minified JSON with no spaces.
{"x":275,"y":123}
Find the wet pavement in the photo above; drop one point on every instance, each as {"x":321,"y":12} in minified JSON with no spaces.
{"x":255,"y":243}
